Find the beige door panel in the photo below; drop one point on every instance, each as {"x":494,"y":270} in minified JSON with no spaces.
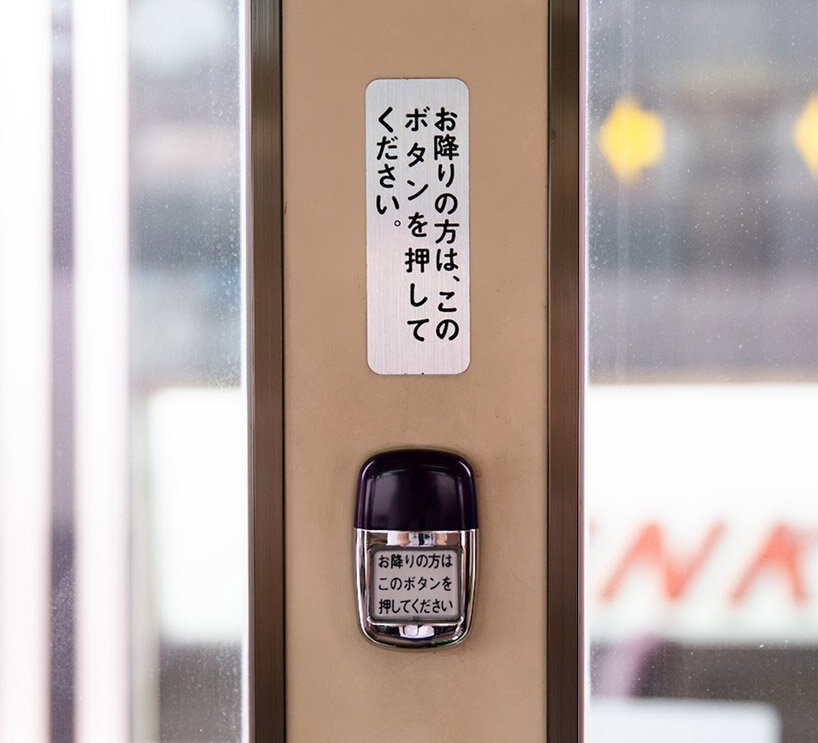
{"x":491,"y":687}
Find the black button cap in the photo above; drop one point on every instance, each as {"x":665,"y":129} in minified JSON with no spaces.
{"x":416,"y":490}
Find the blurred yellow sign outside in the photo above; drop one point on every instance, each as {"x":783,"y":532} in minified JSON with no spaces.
{"x":631,"y":139}
{"x":805,"y":134}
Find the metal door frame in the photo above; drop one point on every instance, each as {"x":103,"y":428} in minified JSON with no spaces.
{"x":566,"y":350}
{"x":265,"y":364}
{"x":565,"y":656}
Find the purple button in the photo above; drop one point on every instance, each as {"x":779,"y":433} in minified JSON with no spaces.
{"x":416,"y":490}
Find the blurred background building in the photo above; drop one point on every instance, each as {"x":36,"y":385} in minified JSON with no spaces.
{"x":701,"y":220}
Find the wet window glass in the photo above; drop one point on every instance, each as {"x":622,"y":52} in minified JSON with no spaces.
{"x":123,"y":465}
{"x":701,"y":148}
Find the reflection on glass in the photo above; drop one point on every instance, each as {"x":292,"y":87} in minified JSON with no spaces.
{"x":189,"y":611}
{"x":702,"y":398}
{"x":123,"y":467}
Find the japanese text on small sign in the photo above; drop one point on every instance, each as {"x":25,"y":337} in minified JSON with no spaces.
{"x":419,"y":585}
{"x":418,"y":225}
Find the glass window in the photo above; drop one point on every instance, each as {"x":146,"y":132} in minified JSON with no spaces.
{"x":123,"y":413}
{"x":702,"y":393}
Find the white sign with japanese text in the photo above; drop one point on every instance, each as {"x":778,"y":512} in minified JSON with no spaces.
{"x":415,"y":585}
{"x":417,"y":226}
